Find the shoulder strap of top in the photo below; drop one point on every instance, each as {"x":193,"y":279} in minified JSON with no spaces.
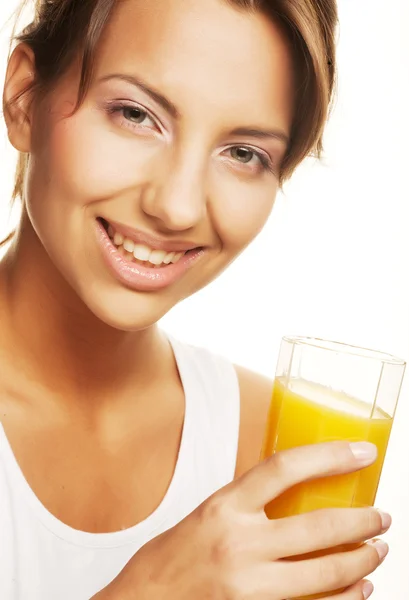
{"x":213,"y":397}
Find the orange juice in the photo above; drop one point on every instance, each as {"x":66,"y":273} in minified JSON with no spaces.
{"x":307,"y":413}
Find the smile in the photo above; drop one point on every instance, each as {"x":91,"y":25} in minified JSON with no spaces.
{"x":142,"y":253}
{"x":141,"y":262}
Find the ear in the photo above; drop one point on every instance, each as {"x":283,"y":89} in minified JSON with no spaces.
{"x":20,"y":77}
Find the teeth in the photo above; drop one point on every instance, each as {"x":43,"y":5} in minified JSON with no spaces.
{"x":169,"y":257}
{"x":129,"y":245}
{"x":142,"y":252}
{"x":177,"y":257}
{"x":118,"y":239}
{"x":128,"y":249}
{"x":157,"y":257}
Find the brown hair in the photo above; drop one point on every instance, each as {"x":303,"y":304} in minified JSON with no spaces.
{"x":61,"y":27}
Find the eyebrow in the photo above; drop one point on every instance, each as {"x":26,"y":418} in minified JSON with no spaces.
{"x":154,"y":94}
{"x":262,"y":134}
{"x":167,"y":105}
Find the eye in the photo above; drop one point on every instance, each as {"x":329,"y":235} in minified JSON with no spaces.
{"x":133,"y":117}
{"x":137,"y":115}
{"x":252,"y":159}
{"x":242,"y":154}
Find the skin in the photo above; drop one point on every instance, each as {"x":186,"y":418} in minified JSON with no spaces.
{"x":85,"y":369}
{"x":173,"y":176}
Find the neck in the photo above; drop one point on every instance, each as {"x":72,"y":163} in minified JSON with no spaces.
{"x":54,"y":338}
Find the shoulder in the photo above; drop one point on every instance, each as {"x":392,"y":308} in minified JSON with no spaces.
{"x":255,"y":396}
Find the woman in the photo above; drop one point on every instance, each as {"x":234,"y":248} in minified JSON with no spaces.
{"x":153,"y":138}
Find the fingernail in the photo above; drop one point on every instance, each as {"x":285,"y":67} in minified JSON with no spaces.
{"x":364,"y":452}
{"x":381,"y":548}
{"x":386,"y":520}
{"x":367,"y":589}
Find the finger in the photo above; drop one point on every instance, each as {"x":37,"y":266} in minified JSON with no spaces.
{"x":322,"y":529}
{"x":334,"y":571}
{"x":361,"y":591}
{"x":285,"y":469}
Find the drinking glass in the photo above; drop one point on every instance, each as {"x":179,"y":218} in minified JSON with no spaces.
{"x":326,"y":391}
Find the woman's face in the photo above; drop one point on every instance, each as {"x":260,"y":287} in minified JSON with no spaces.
{"x":170,"y":167}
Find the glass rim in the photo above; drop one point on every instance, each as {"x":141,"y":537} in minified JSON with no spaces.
{"x":344,"y":348}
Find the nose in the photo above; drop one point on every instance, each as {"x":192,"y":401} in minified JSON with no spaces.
{"x":176,"y":198}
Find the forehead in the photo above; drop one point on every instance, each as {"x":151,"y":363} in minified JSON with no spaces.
{"x":205,"y":51}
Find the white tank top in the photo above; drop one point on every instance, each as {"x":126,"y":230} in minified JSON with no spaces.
{"x":42,"y":558}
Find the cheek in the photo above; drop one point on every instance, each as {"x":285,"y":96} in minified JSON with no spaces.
{"x":85,"y":160}
{"x":243,"y":212}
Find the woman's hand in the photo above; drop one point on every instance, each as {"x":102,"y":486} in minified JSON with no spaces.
{"x":227,"y":549}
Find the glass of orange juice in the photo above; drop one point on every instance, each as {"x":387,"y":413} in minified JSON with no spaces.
{"x":326,"y":391}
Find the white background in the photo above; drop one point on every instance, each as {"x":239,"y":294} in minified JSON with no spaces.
{"x":333,"y":261}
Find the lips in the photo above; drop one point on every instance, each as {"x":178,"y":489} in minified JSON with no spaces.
{"x":141,"y":261}
{"x":152,"y":241}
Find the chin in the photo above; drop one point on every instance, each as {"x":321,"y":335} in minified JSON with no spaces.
{"x":125,"y":310}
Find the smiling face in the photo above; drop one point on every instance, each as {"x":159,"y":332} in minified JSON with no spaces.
{"x":172,"y":159}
